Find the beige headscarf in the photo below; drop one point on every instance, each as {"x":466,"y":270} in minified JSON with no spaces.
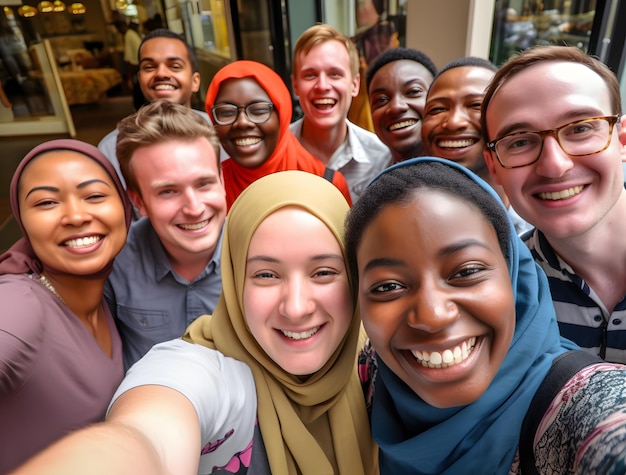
{"x":319,"y":426}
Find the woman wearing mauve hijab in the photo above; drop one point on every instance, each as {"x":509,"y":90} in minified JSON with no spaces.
{"x":464,"y":332}
{"x":60,"y":353}
{"x":251,"y":109}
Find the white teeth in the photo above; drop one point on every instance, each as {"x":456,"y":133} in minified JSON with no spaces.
{"x":449,"y":143}
{"x":324,"y":102}
{"x":246,"y":142}
{"x":162,"y":87}
{"x":561,"y":195}
{"x":192,"y":227}
{"x":82,"y":242}
{"x":448,"y":357}
{"x":403,"y":124}
{"x":300,"y":335}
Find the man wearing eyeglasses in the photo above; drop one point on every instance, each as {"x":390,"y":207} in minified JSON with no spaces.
{"x":551,"y":119}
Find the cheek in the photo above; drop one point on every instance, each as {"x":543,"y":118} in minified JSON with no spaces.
{"x":340,"y":302}
{"x":503,"y":322}
{"x":221,"y":131}
{"x":418,"y":105}
{"x":378,"y":322}
{"x":256,"y":304}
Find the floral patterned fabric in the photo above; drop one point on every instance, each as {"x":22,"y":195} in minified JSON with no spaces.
{"x":584,"y":429}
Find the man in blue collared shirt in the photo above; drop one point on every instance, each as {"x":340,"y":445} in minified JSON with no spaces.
{"x":168,"y":273}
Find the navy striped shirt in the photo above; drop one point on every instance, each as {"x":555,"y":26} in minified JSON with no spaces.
{"x":581,"y":315}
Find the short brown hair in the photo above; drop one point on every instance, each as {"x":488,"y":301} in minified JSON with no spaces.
{"x":321,"y":33}
{"x":553,"y":53}
{"x":159,"y":122}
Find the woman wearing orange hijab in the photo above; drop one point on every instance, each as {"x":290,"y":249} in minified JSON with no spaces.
{"x":251,"y":109}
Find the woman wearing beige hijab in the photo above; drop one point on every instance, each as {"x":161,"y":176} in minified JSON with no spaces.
{"x":288,"y":312}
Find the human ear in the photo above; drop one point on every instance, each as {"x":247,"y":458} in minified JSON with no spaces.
{"x":135,"y":197}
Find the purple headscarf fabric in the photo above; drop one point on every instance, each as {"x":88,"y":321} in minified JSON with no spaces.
{"x":21,"y":258}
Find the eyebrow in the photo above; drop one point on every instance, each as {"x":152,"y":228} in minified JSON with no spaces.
{"x":404,"y":84}
{"x":446,"y":251}
{"x":317,"y":257}
{"x":167,"y":184}
{"x":564,"y":118}
{"x":169,"y":59}
{"x":54,"y":189}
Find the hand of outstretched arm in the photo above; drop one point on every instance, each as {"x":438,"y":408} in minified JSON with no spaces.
{"x":150,"y":429}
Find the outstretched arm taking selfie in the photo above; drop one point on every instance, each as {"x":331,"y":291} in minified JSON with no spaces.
{"x":150,"y":429}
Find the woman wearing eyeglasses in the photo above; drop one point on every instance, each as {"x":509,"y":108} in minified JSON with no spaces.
{"x":251,"y":109}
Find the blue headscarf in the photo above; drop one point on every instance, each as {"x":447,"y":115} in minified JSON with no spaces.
{"x":481,"y":437}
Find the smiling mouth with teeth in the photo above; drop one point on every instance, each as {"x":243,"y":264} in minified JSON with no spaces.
{"x":458,"y":143}
{"x":561,"y":195}
{"x":193,"y":227}
{"x":403,"y":124}
{"x":246,"y":142}
{"x":300,"y":335}
{"x":449,"y":357}
{"x":82,"y":242}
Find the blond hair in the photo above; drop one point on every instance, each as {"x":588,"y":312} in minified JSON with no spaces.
{"x":321,"y":33}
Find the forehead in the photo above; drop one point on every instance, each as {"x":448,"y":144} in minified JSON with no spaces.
{"x":401,"y":71}
{"x":162,"y":48}
{"x":279,"y":226}
{"x":241,"y":91}
{"x":62,"y":160}
{"x":428,"y":216}
{"x":176,"y":157}
{"x":559,"y":89}
{"x":61,"y":166}
{"x":325,"y":54}
{"x":465,"y":79}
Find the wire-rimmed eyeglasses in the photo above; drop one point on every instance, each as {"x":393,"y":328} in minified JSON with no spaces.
{"x":577,"y":139}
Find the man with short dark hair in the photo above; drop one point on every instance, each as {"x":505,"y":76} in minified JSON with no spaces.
{"x":168,"y":69}
{"x":557,"y":150}
{"x":397,"y":83}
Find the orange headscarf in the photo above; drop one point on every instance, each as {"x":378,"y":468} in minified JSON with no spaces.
{"x":289,"y":154}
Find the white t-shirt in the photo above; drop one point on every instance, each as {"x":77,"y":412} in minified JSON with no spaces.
{"x":221,"y":390}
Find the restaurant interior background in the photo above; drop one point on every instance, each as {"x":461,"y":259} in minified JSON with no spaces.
{"x":58,"y":53}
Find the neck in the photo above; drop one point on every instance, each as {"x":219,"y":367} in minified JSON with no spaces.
{"x":190,"y":266}
{"x":485,"y":175}
{"x":599,"y":255}
{"x":84,"y":298}
{"x":416,"y":151}
{"x":322,"y":142}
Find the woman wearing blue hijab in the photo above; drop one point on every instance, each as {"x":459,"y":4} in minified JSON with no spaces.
{"x":463,"y":332}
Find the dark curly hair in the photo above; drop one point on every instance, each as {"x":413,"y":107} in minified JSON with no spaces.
{"x":397,"y":54}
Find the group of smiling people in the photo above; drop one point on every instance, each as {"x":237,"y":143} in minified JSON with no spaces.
{"x":409,"y":333}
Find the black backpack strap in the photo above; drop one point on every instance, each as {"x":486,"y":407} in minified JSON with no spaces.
{"x":329,"y":174}
{"x":563,"y":368}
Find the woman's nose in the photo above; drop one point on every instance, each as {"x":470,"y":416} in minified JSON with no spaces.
{"x":433,"y":310}
{"x":76,"y":212}
{"x":297,"y":301}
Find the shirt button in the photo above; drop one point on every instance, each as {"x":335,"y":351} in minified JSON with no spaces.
{"x":598,"y":318}
{"x":617,"y":321}
{"x":191,"y":287}
{"x":144,"y":321}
